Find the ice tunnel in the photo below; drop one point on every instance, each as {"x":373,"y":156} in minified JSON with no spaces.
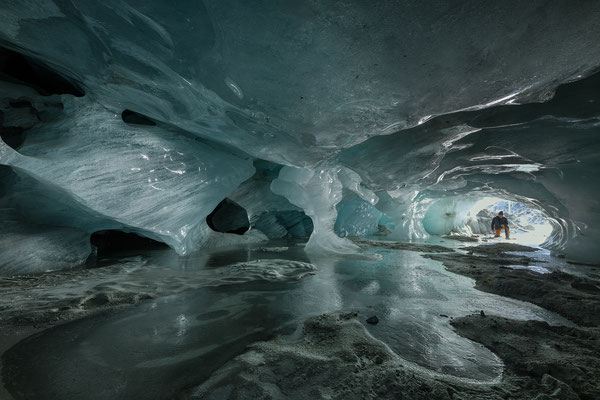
{"x":529,"y":225}
{"x":405,"y":116}
{"x":143,"y":117}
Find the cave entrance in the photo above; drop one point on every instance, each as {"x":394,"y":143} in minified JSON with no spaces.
{"x":472,"y":216}
{"x":229,"y":217}
{"x":528,"y":224}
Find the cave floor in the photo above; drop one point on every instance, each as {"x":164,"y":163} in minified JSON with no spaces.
{"x":456,"y":320}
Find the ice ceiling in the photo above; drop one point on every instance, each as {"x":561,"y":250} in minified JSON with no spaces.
{"x":319,"y":117}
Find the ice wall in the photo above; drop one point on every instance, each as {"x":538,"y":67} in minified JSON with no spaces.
{"x":544,"y":155}
{"x":310,"y":116}
{"x":147,"y":180}
{"x":30,"y":248}
{"x":317,"y":193}
{"x":306,"y":77}
{"x":357,"y":217}
{"x":268,"y":212}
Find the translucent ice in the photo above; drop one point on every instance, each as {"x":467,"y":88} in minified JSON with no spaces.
{"x":305,"y":77}
{"x":399,"y":104}
{"x":143,"y":179}
{"x":317,"y":193}
{"x":356,"y":217}
{"x":26,"y":248}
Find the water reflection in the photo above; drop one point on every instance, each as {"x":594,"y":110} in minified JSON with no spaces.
{"x":163,"y":345}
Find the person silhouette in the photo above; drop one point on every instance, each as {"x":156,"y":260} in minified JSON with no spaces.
{"x":499,"y":222}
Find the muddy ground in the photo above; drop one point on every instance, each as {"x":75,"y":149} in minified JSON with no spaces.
{"x":336,"y":358}
{"x":576,"y":298}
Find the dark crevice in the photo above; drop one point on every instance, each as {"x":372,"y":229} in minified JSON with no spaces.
{"x":8,"y":178}
{"x":18,"y":68}
{"x":132,"y":117}
{"x":12,"y":136}
{"x":20,"y":104}
{"x":111,"y":242}
{"x":290,"y":223}
{"x":229,"y":217}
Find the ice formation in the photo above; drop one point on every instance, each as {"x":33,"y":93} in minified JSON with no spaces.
{"x":31,"y":249}
{"x":147,"y":180}
{"x":314,"y":117}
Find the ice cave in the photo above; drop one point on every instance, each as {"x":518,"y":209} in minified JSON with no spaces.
{"x":339,"y":199}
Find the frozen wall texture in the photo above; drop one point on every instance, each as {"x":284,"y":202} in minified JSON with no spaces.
{"x":313,"y":116}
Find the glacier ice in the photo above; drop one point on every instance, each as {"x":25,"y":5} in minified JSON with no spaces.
{"x":357,"y":217}
{"x":26,"y":248}
{"x":309,"y":77}
{"x":317,"y":193}
{"x":28,"y":243}
{"x":315,"y":118}
{"x":268,"y":212}
{"x":151,"y":181}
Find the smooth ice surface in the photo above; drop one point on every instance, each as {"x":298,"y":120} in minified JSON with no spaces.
{"x":308,"y":76}
{"x":317,"y":193}
{"x":147,"y":180}
{"x":357,"y":217}
{"x":171,"y":342}
{"x":271,"y":213}
{"x":26,"y":249}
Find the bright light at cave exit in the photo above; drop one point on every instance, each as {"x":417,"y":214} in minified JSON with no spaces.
{"x":527,"y":225}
